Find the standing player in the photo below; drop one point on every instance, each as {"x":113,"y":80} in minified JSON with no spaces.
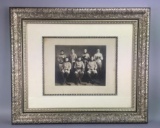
{"x":73,"y":57}
{"x":60,"y":59}
{"x":79,"y":70}
{"x":85,"y":57}
{"x":99,"y":58}
{"x":92,"y":70}
{"x":66,"y":67}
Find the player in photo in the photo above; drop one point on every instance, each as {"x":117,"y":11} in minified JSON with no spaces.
{"x":85,"y":57}
{"x":66,"y":67}
{"x":92,"y":70}
{"x":60,"y":59}
{"x":99,"y":58}
{"x":79,"y":70}
{"x":73,"y":57}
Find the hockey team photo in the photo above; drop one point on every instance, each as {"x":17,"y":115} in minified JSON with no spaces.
{"x":80,"y":65}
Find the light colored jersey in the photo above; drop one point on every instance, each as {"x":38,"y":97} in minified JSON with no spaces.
{"x":92,"y":65}
{"x":79,"y":65}
{"x":73,"y":57}
{"x":98,"y":57}
{"x":67,"y":66}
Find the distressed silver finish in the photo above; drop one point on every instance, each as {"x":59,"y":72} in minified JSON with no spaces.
{"x":140,"y":63}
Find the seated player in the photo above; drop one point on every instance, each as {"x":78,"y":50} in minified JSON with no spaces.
{"x":66,"y":67}
{"x":79,"y":70}
{"x":92,"y":70}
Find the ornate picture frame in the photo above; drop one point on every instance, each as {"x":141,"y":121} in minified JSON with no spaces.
{"x":51,"y":79}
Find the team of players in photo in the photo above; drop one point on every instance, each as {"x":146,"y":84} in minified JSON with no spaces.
{"x":81,"y":66}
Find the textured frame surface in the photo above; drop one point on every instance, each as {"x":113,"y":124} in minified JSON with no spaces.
{"x":138,"y":116}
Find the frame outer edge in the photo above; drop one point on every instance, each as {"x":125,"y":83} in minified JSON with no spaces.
{"x":19,"y":118}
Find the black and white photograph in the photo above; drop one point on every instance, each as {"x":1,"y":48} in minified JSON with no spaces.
{"x":75,"y":65}
{"x":80,"y":65}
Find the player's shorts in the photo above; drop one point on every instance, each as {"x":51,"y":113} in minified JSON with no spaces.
{"x":79,"y":71}
{"x":65,"y":71}
{"x":92,"y":71}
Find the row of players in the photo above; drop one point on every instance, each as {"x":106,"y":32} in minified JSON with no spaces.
{"x":78,"y":65}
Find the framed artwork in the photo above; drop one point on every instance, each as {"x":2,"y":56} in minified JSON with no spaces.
{"x":79,"y":65}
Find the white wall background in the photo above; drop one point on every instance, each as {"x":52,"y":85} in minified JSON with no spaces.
{"x":154,"y":67}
